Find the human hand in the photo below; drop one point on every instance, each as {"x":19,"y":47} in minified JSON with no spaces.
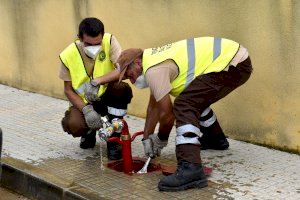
{"x":92,"y":118}
{"x":148,"y":147}
{"x":158,"y":144}
{"x":91,"y":91}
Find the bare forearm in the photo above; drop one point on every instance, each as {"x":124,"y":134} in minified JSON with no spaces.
{"x":75,"y":100}
{"x":107,"y":78}
{"x":151,"y":119}
{"x":73,"y":97}
{"x":166,"y":122}
{"x":166,"y":117}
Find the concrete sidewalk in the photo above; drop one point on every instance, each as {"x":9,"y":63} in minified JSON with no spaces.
{"x":35,"y":144}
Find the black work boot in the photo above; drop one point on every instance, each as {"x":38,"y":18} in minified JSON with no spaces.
{"x":213,"y":137}
{"x":114,"y":149}
{"x":189,"y":173}
{"x":88,"y":140}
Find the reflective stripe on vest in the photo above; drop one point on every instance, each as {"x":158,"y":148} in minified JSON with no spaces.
{"x":191,"y":61}
{"x":72,"y":60}
{"x":193,"y":57}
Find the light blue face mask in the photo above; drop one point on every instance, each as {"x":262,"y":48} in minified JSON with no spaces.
{"x":141,"y":82}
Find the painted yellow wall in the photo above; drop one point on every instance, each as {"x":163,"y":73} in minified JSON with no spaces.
{"x":265,"y":110}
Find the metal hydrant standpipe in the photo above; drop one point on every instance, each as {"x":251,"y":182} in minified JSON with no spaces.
{"x":124,"y":140}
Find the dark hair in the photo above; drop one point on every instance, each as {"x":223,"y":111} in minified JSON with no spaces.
{"x":91,"y":26}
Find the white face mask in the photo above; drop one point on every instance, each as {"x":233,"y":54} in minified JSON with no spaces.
{"x":92,"y":51}
{"x":141,"y":82}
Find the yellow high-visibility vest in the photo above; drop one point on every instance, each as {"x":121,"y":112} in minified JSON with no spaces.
{"x":193,"y":57}
{"x":72,"y":60}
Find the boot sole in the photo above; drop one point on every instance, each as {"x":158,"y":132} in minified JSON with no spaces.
{"x":215,"y":148}
{"x":90,"y":147}
{"x":87,"y":146}
{"x":194,"y":184}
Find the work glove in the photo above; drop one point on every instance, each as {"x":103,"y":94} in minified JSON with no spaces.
{"x":158,"y":144}
{"x":148,"y":147}
{"x":92,"y":118}
{"x":91,"y":91}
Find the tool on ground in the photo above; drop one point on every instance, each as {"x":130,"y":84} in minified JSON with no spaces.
{"x":145,"y":167}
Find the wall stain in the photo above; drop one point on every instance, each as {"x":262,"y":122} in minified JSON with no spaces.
{"x":80,"y":11}
{"x":24,"y":23}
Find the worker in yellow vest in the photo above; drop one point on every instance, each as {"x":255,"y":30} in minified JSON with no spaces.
{"x":88,"y":71}
{"x":198,"y":72}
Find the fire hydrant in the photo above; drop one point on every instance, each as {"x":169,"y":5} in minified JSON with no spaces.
{"x":124,"y":140}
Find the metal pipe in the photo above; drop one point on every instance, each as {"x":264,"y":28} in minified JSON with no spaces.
{"x":136,"y":134}
{"x":126,"y":149}
{"x":125,"y":141}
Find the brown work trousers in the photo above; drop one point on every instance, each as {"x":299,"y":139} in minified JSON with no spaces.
{"x":206,"y":89}
{"x":116,"y":96}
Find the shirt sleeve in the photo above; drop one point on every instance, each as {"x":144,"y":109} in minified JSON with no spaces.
{"x":115,"y":49}
{"x":158,"y":79}
{"x":64,"y":73}
{"x":240,"y":56}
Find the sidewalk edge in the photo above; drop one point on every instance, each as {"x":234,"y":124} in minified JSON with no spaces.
{"x":35,"y":186}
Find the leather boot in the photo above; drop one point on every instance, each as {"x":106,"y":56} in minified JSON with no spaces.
{"x":213,"y":137}
{"x":114,"y":149}
{"x":88,"y":140}
{"x":189,"y":173}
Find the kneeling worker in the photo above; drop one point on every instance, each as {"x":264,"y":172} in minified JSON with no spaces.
{"x":87,"y":68}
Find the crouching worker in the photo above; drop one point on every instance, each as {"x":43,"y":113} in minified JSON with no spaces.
{"x":88,"y":73}
{"x":198,"y":72}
